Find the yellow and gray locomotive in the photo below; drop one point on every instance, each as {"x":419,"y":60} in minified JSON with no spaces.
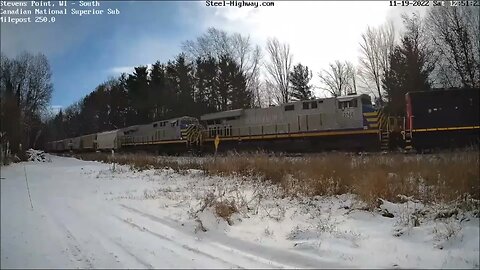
{"x":349,"y":123}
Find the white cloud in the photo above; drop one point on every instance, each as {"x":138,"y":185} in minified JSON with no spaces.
{"x":318,"y":32}
{"x":120,"y":70}
{"x":125,"y":69}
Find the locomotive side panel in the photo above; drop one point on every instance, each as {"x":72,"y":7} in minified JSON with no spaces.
{"x":446,"y":108}
{"x":160,"y":132}
{"x":349,"y":114}
{"x":258,"y":121}
{"x":443,"y":118}
{"x":341,"y":113}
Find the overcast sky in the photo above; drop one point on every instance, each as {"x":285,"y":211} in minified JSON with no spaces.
{"x":85,"y":51}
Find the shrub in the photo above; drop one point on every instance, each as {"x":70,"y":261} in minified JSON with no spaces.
{"x":440,"y":177}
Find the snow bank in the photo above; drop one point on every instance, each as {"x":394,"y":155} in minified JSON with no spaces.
{"x":37,"y":155}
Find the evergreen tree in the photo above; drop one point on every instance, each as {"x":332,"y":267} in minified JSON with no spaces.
{"x":185,"y":86}
{"x":240,"y":97}
{"x":223,"y":83}
{"x":118,"y":103}
{"x":204,"y":87}
{"x":74,"y":121}
{"x":300,"y":78}
{"x":138,"y":92}
{"x":102,"y":107}
{"x":157,"y":89}
{"x":171,"y":90}
{"x":56,"y":129}
{"x":409,"y":68}
{"x":210,"y":69}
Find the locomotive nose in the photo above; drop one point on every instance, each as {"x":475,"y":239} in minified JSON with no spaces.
{"x":184,"y":130}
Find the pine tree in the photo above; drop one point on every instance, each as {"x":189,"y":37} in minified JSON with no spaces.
{"x":157,"y":91}
{"x":205,"y":96}
{"x":210,"y":68}
{"x":138,"y":85}
{"x":409,"y":68}
{"x":239,"y":96}
{"x":184,"y":86}
{"x":223,"y":83}
{"x":394,"y":83}
{"x":118,"y":102}
{"x":300,"y":78}
{"x":171,"y":90}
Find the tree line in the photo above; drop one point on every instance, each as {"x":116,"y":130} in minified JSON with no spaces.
{"x":162,"y":91}
{"x":215,"y":72}
{"x":25,"y":91}
{"x":439,"y":51}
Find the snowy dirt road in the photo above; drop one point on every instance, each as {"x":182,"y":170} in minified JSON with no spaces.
{"x":77,"y":222}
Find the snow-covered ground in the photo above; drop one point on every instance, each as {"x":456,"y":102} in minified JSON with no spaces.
{"x":92,"y":215}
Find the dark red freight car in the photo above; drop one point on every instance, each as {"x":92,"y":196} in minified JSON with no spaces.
{"x":443,"y":118}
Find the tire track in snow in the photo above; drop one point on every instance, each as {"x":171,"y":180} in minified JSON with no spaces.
{"x":170,"y":223}
{"x":73,"y":247}
{"x":140,"y":261}
{"x":184,"y":246}
{"x":95,"y":233}
{"x":250,"y":251}
{"x":232,"y":250}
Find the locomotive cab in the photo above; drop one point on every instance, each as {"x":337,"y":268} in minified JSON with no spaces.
{"x":183,"y":124}
{"x":187,"y":121}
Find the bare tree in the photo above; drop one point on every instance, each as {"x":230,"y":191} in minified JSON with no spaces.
{"x":213,"y":43}
{"x":218,"y":43}
{"x":25,"y":91}
{"x":248,"y":58}
{"x":455,"y":31}
{"x":337,"y":79}
{"x":375,"y":48}
{"x":351,"y":71}
{"x":39,"y":90}
{"x":269,"y":92}
{"x":278,"y":69}
{"x":387,"y":44}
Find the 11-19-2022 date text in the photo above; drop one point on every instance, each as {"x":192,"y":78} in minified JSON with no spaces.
{"x":473,"y":3}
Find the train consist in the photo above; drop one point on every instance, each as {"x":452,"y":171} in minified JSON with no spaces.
{"x":442,"y":118}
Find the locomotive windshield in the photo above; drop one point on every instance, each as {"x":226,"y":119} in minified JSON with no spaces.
{"x":187,"y":121}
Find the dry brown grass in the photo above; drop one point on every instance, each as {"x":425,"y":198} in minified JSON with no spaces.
{"x":139,"y":161}
{"x":441,"y":177}
{"x":225,"y":209}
